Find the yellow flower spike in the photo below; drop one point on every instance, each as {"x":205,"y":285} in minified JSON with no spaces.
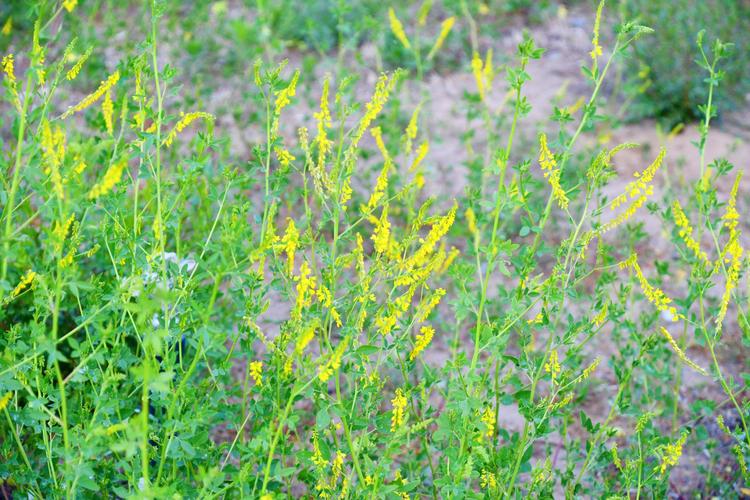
{"x":107,"y":112}
{"x":672,"y":454}
{"x":326,"y":371}
{"x":290,"y":242}
{"x":411,"y":129}
{"x":445,"y":29}
{"x":680,"y":353}
{"x":7,"y":27}
{"x":5,"y":400}
{"x":399,"y":415}
{"x":111,"y":178}
{"x":398,"y":29}
{"x":305,"y":290}
{"x":422,"y":150}
{"x":597,"y":49}
{"x":73,"y":72}
{"x":70,"y":5}
{"x":471,"y":220}
{"x":317,"y":458}
{"x":654,"y":295}
{"x":256,"y":372}
{"x":381,"y":235}
{"x":185,"y":120}
{"x":423,"y":340}
{"x":283,"y":98}
{"x":429,"y":304}
{"x":686,"y":232}
{"x":735,"y":251}
{"x":641,"y":186}
{"x":8,"y":66}
{"x":551,"y":172}
{"x":424,"y":11}
{"x":488,"y":480}
{"x":552,"y":366}
{"x":90,"y":99}
{"x":323,"y":120}
{"x":25,"y":282}
{"x":488,"y":419}
{"x":476,"y":69}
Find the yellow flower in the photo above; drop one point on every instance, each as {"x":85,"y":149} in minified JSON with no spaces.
{"x":305,"y":289}
{"x":73,"y":72}
{"x":551,"y":172}
{"x":601,"y":316}
{"x":422,"y":151}
{"x":488,"y":480}
{"x":25,"y":281}
{"x":686,"y":232}
{"x":327,"y":370}
{"x":445,"y":29}
{"x":381,"y":235}
{"x":317,"y":457}
{"x":53,"y":149}
{"x":429,"y":304}
{"x":437,"y":231}
{"x":70,"y":5}
{"x":383,"y":89}
{"x":735,"y":251}
{"x":337,"y":466}
{"x":597,"y":50}
{"x":5,"y":400}
{"x":185,"y":120}
{"x":107,"y":112}
{"x":476,"y":69}
{"x":256,"y":372}
{"x":641,"y":187}
{"x":10,"y":76}
{"x":8,"y":26}
{"x":290,"y":241}
{"x":90,"y":99}
{"x":680,"y":353}
{"x":423,"y":340}
{"x":672,"y":454}
{"x":398,"y":29}
{"x":552,"y":366}
{"x":471,"y":220}
{"x":399,"y":415}
{"x":323,"y":121}
{"x":589,"y":370}
{"x":488,"y":419}
{"x":111,"y":178}
{"x":654,"y":295}
{"x":325,"y":298}
{"x":616,"y":458}
{"x":283,"y":98}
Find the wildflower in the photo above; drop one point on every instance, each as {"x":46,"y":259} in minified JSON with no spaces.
{"x":471,"y":220}
{"x":686,"y":232}
{"x":90,"y":99}
{"x":680,"y":353}
{"x":70,"y":5}
{"x":185,"y":120}
{"x":325,"y":298}
{"x":73,"y":72}
{"x":26,"y":280}
{"x":641,"y":187}
{"x":552,"y":366}
{"x":551,"y":172}
{"x":423,"y":340}
{"x":731,"y":216}
{"x":283,"y":98}
{"x":654,"y":295}
{"x":290,"y":241}
{"x":111,"y":178}
{"x":449,"y":260}
{"x":305,"y":289}
{"x":488,"y":480}
{"x":437,"y":231}
{"x":589,"y":370}
{"x":327,"y":370}
{"x":476,"y":68}
{"x":399,"y":406}
{"x":411,"y":129}
{"x":337,"y":467}
{"x":398,"y":29}
{"x":383,"y":88}
{"x":323,"y":120}
{"x":317,"y":457}
{"x":381,"y":235}
{"x":616,"y":458}
{"x":720,"y":423}
{"x":601,"y":316}
{"x":422,"y":150}
{"x":7,"y":27}
{"x":53,"y":150}
{"x":597,"y":50}
{"x":381,"y":184}
{"x":672,"y":454}
{"x":445,"y":29}
{"x":256,"y":372}
{"x":385,"y":323}
{"x":107,"y":112}
{"x":488,"y":419}
{"x":10,"y":77}
{"x":284,"y":156}
{"x":429,"y":304}
{"x":563,"y":402}
{"x":5,"y":400}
